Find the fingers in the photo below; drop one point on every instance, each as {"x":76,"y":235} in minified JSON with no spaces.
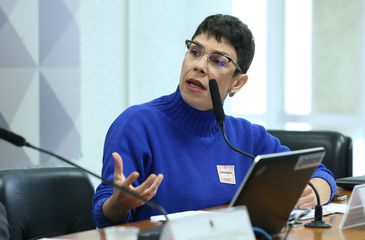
{"x":130,"y":179}
{"x":119,"y":177}
{"x":148,"y":182}
{"x":305,"y":203}
{"x":148,"y":188}
{"x":118,"y":167}
{"x":307,"y":199}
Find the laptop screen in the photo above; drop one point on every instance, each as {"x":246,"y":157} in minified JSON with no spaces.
{"x":274,"y":184}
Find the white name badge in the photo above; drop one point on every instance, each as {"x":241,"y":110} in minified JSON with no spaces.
{"x":225,"y":224}
{"x":226,"y":174}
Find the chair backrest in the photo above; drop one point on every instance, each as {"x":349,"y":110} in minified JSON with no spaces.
{"x":4,"y":225}
{"x":338,"y":147}
{"x":46,"y":202}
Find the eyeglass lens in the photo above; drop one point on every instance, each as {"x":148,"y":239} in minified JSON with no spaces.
{"x":197,"y":51}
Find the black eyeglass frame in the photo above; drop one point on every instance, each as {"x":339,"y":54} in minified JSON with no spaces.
{"x":189,"y":42}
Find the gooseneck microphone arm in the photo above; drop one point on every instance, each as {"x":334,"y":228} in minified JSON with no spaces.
{"x":219,"y":114}
{"x":315,"y":192}
{"x":318,"y":213}
{"x":233,"y":147}
{"x":20,"y":142}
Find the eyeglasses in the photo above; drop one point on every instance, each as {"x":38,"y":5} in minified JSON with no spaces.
{"x":220,"y":60}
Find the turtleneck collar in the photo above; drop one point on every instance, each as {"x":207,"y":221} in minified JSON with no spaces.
{"x":199,"y":123}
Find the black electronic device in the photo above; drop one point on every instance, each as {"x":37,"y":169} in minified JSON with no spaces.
{"x":273,"y":185}
{"x":349,"y":183}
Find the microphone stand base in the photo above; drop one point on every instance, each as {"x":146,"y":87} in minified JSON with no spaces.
{"x":317,"y":224}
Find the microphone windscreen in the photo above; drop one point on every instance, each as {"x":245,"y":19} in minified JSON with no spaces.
{"x":12,"y":137}
{"x":216,"y":100}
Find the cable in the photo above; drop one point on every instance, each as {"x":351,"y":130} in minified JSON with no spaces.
{"x":315,"y":192}
{"x":295,"y":221}
{"x":289,"y":228}
{"x":111,"y":183}
{"x":262,"y":232}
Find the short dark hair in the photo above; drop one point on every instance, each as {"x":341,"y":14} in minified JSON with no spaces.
{"x":235,"y":32}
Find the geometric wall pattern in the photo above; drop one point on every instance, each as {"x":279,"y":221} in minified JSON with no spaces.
{"x":40,"y":79}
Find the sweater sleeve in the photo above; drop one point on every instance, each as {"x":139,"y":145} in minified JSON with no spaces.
{"x":99,"y":218}
{"x":103,"y":192}
{"x":121,"y":138}
{"x":325,"y":174}
{"x":265,"y":142}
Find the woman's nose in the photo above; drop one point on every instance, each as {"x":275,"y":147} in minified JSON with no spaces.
{"x":201,"y":64}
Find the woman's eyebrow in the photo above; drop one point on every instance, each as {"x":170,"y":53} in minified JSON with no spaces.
{"x":214,"y":51}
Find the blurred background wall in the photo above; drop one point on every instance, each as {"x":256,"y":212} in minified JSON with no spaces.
{"x":68,"y":68}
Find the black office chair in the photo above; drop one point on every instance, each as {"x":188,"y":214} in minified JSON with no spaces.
{"x":46,"y":202}
{"x":338,"y":147}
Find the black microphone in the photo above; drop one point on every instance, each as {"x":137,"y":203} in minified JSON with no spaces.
{"x":217,"y":102}
{"x":318,"y":213}
{"x":20,"y":142}
{"x":219,"y":114}
{"x":12,"y":138}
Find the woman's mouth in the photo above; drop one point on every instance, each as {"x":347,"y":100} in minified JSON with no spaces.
{"x":196,"y":84}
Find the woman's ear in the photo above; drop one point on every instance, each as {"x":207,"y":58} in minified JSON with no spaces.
{"x":238,"y":84}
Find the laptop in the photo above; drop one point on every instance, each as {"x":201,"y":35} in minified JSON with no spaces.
{"x":274,"y":184}
{"x":270,"y":190}
{"x":349,"y":183}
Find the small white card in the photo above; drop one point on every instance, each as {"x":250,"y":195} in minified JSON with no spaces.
{"x":355,"y":213}
{"x":225,"y":224}
{"x":226,"y":174}
{"x":118,"y":232}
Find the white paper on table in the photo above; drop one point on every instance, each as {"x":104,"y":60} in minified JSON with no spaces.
{"x":330,"y":208}
{"x":171,"y":216}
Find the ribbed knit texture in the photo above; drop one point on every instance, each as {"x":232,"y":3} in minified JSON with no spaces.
{"x":184,"y":144}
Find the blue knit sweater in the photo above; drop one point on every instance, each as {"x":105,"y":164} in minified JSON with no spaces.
{"x":184,"y":144}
